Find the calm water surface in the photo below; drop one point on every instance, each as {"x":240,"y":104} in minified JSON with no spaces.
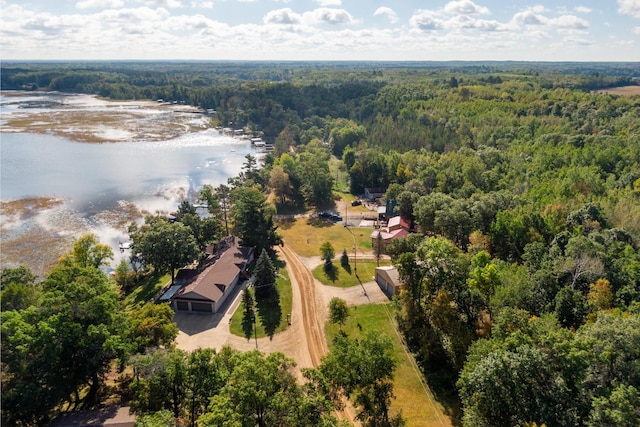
{"x":95,"y":177}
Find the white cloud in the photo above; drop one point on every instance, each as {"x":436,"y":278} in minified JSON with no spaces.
{"x":172,"y":4}
{"x":534,"y":17}
{"x":464,"y":22}
{"x":582,"y":9}
{"x":282,"y":16}
{"x":465,"y":7}
{"x":570,"y":22}
{"x":425,"y":20}
{"x":329,"y":16}
{"x":202,"y":4}
{"x":528,"y":17}
{"x":391,"y":14}
{"x":636,"y":30}
{"x":325,"y":3}
{"x":98,"y":4}
{"x":629,"y":7}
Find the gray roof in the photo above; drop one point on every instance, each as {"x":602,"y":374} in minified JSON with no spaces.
{"x":211,"y":283}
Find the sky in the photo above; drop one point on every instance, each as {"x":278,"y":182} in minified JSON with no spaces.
{"x":315,"y":30}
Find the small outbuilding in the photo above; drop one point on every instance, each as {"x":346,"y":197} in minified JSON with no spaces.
{"x":388,"y":279}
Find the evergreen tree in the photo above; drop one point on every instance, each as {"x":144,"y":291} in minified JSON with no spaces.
{"x":264,"y":271}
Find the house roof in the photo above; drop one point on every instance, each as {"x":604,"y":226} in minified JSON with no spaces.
{"x":211,"y":283}
{"x":398,"y":221}
{"x":389,"y":235}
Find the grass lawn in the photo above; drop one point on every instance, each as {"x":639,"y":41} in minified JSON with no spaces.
{"x":306,"y":235}
{"x":346,"y":278}
{"x":146,"y":289}
{"x":272,"y":316}
{"x":413,"y":396}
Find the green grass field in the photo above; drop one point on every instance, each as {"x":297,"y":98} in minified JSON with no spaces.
{"x":413,"y":396}
{"x":272,"y":318}
{"x":146,"y":289}
{"x":306,"y":235}
{"x":345,"y":278}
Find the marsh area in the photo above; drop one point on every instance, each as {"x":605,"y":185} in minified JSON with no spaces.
{"x":72,"y":164}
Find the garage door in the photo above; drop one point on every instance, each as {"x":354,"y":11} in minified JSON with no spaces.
{"x":182,"y":305}
{"x":201,"y":306}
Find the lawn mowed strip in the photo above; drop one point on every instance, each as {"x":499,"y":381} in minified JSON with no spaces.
{"x":413,"y":396}
{"x":306,"y":235}
{"x":271,"y":310}
{"x":345,"y":278}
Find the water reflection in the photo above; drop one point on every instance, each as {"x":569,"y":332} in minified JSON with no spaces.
{"x":97,"y":176}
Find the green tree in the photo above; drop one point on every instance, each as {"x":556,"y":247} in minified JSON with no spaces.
{"x":570,"y":307}
{"x":346,"y":133}
{"x":248,"y":312}
{"x":18,"y":288}
{"x":279,"y":182}
{"x":164,"y":245}
{"x":161,"y":418}
{"x":508,"y":388}
{"x":253,"y":220}
{"x":326,"y":254}
{"x":378,"y":249}
{"x":65,"y":345}
{"x":218,"y":202}
{"x":152,"y":326}
{"x":338,"y":311}
{"x":261,"y":389}
{"x":363,"y":369}
{"x":315,"y":177}
{"x":621,"y":408}
{"x":87,"y":252}
{"x":265,"y":272}
{"x":204,"y":230}
{"x":344,"y":260}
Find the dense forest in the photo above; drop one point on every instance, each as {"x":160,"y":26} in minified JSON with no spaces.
{"x":522,"y":282}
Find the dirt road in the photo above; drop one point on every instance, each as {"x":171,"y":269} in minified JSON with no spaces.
{"x":307,"y":310}
{"x":304,"y":341}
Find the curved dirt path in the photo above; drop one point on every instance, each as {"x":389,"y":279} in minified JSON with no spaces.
{"x":303,"y":341}
{"x":308,"y":313}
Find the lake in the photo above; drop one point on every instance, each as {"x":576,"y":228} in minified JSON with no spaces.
{"x":94,"y":177}
{"x":155,"y":157}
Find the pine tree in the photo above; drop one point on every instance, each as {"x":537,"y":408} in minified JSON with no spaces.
{"x":265,"y":272}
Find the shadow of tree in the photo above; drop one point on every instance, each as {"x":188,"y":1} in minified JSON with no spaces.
{"x":319,"y":222}
{"x":247,"y":324}
{"x":285,"y":223}
{"x":269,"y":309}
{"x":331,"y":272}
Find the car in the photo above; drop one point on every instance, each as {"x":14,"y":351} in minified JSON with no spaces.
{"x":356,"y":203}
{"x":325,"y":214}
{"x":336,"y":217}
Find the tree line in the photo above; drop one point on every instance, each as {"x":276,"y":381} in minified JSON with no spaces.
{"x":522,"y":284}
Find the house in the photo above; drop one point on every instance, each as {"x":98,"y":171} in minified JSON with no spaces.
{"x":388,"y":279}
{"x":397,"y":223}
{"x":396,"y":228}
{"x":206,"y":289}
{"x":386,"y":236}
{"x":374,"y":193}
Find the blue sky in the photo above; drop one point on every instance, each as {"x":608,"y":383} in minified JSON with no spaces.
{"x":535,"y":30}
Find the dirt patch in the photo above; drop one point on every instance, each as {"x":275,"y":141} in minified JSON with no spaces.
{"x":624,"y":91}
